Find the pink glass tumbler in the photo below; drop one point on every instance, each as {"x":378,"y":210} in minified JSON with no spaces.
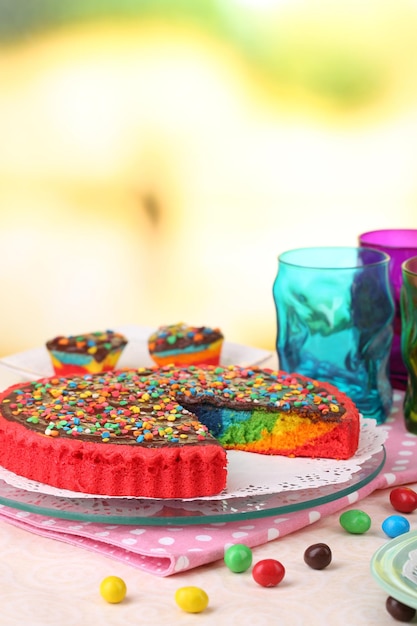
{"x":400,"y":245}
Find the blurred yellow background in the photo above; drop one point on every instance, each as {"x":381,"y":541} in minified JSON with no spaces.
{"x":155,"y":158}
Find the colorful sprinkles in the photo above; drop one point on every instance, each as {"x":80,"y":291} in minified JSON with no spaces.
{"x":147,"y":406}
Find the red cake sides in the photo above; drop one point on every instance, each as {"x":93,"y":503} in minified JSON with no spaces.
{"x":69,"y":440}
{"x":162,"y":432}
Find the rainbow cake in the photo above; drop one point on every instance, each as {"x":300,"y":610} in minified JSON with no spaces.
{"x":89,"y":353}
{"x":183,"y":345}
{"x":163,"y":432}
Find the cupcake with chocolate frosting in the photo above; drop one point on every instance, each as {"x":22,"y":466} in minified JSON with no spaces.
{"x":183,"y":345}
{"x":88,"y":353}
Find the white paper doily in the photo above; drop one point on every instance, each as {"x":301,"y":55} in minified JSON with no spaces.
{"x":252,"y":474}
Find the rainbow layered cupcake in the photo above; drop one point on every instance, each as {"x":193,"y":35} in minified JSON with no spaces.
{"x":183,"y":345}
{"x":90,"y":353}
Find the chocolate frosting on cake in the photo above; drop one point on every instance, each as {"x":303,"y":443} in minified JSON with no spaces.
{"x":151,"y":406}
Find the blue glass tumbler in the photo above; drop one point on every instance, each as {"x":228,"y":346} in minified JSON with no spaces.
{"x":335,"y":313}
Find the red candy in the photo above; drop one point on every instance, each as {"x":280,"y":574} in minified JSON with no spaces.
{"x":268,"y":573}
{"x":403,"y":499}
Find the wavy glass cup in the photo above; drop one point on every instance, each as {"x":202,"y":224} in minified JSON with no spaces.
{"x":335,"y":311}
{"x":400,"y":244}
{"x":408,"y":303}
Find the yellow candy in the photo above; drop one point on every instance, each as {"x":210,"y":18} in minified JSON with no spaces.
{"x":191,"y":599}
{"x":113,"y":589}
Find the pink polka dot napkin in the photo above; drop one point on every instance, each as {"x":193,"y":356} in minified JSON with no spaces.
{"x":165,"y":550}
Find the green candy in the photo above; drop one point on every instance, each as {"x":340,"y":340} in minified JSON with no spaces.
{"x":238,"y":558}
{"x":355,"y":521}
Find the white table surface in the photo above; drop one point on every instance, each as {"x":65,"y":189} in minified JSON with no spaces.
{"x":45,"y":582}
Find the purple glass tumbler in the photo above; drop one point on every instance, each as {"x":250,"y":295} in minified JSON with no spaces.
{"x":400,"y":245}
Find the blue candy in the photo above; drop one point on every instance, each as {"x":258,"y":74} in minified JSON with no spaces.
{"x":395,"y":525}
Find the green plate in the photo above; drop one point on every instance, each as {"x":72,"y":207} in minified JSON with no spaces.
{"x":387,"y":566}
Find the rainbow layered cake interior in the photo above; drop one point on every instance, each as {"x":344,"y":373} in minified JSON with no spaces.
{"x":88,"y":353}
{"x":183,"y":345}
{"x":163,"y":432}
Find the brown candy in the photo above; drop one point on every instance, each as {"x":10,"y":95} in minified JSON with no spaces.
{"x":318,"y":556}
{"x":399,"y":611}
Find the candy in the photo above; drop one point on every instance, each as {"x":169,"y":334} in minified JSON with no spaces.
{"x":403,"y":499}
{"x":113,"y":589}
{"x":399,"y":611}
{"x":355,"y":521}
{"x":318,"y":556}
{"x":268,"y":572}
{"x":191,"y":599}
{"x":395,"y":525}
{"x":238,"y":558}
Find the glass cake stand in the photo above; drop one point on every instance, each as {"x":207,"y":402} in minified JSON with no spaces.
{"x":163,"y":512}
{"x":32,"y":364}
